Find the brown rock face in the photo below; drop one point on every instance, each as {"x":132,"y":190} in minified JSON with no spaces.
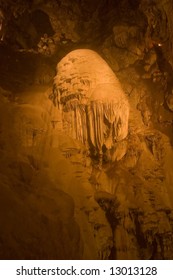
{"x":86,"y":157}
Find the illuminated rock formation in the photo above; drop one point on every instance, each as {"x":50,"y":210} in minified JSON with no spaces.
{"x":56,"y":201}
{"x":95,"y":108}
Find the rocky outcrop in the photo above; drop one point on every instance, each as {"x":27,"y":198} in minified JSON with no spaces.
{"x":37,"y":219}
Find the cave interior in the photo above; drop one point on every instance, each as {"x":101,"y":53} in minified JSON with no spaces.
{"x":86,"y":129}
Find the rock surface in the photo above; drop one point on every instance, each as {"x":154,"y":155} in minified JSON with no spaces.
{"x":94,"y":106}
{"x":56,"y":201}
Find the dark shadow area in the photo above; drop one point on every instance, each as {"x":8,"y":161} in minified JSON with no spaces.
{"x":42,"y":24}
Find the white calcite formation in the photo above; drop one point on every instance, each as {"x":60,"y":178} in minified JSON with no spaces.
{"x":95,"y":108}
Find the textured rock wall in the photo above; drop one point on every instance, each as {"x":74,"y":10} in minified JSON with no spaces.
{"x":37,"y":217}
{"x":134,"y":191}
{"x":123,"y":208}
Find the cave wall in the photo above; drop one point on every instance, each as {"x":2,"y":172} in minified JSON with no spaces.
{"x":57,"y":196}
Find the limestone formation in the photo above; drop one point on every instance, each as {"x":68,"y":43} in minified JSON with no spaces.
{"x":112,"y":106}
{"x":95,"y":108}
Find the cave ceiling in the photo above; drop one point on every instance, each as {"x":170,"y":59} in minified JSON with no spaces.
{"x":86,"y":129}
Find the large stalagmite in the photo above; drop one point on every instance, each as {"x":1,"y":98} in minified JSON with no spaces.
{"x":95,"y":108}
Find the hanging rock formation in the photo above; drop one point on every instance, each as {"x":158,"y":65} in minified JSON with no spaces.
{"x":95,"y":108}
{"x":56,"y":201}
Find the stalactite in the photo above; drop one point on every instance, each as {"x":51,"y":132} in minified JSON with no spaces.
{"x":86,"y":86}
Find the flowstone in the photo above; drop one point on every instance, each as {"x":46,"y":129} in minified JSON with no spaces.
{"x":94,"y":107}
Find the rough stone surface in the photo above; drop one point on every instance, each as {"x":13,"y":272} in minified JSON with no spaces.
{"x":56,"y":201}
